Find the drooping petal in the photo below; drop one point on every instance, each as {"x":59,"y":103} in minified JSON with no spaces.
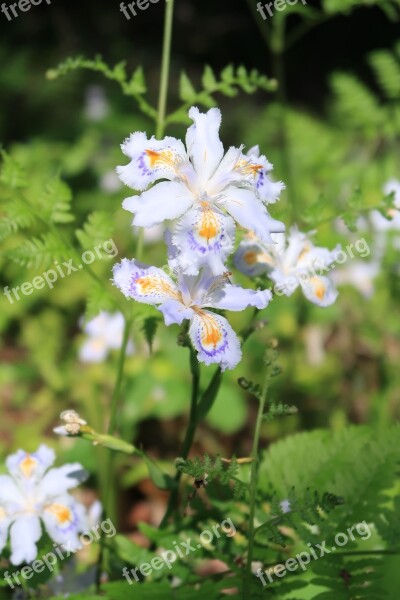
{"x":315,"y":257}
{"x":59,"y":480}
{"x":64,"y":519}
{"x":251,"y":258}
{"x":214,"y":340}
{"x":250,"y":213}
{"x":319,"y":290}
{"x":166,"y":200}
{"x":25,"y":532}
{"x":143,"y":283}
{"x":24,"y":466}
{"x":151,"y":160}
{"x":285,"y":284}
{"x":175,"y":312}
{"x":203,"y":237}
{"x":203,"y":143}
{"x":234,"y":297}
{"x":268,"y":190}
{"x":229,"y":172}
{"x":9,"y":491}
{"x":245,"y":171}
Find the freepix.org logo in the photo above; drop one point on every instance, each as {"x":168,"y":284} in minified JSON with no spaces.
{"x":11,"y":12}
{"x":271,"y":7}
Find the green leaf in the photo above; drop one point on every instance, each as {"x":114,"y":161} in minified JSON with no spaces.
{"x":40,"y":252}
{"x":97,"y":230}
{"x":149,"y":329}
{"x":208,"y":397}
{"x":387,"y":72}
{"x":161,"y":480}
{"x":355,"y":104}
{"x":137,"y":84}
{"x":99,"y":299}
{"x":186,"y":89}
{"x":209,"y":80}
{"x":56,"y":201}
{"x":11,"y":173}
{"x":229,"y":411}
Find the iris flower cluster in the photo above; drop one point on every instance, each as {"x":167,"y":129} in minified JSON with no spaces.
{"x":202,"y":193}
{"x":33,"y":496}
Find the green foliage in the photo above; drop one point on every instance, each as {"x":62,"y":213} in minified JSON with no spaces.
{"x":205,"y":470}
{"x":356,"y":105}
{"x":360,"y":108}
{"x":56,"y":202}
{"x":338,"y":165}
{"x":97,"y":230}
{"x":131,"y":85}
{"x":386,"y":67}
{"x":40,"y":252}
{"x":149,"y":328}
{"x":98,"y":299}
{"x":311,"y":508}
{"x":228,"y":83}
{"x":349,"y":579}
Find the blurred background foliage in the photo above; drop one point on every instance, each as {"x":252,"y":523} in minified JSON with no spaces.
{"x":333,"y":139}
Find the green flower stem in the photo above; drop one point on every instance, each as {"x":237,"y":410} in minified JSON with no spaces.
{"x":165,"y":66}
{"x":109,"y":490}
{"x":195,"y":371}
{"x":120,"y":375}
{"x":246,"y":592}
{"x":190,"y":433}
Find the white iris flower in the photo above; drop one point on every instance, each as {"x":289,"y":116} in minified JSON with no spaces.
{"x":205,"y":191}
{"x":189,"y":298}
{"x":32,"y":496}
{"x":290,"y":262}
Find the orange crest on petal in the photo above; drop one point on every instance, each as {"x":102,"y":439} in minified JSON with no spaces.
{"x":28,"y":465}
{"x":209,"y":226}
{"x":62,"y":513}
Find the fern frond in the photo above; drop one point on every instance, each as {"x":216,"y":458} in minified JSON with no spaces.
{"x":40,"y":252}
{"x":387,"y":71}
{"x":132,"y":85}
{"x":97,"y":230}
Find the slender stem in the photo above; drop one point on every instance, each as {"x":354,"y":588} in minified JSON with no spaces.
{"x":165,"y":65}
{"x":109,"y":489}
{"x":246,"y":592}
{"x":190,"y":433}
{"x":118,"y":382}
{"x":189,"y":437}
